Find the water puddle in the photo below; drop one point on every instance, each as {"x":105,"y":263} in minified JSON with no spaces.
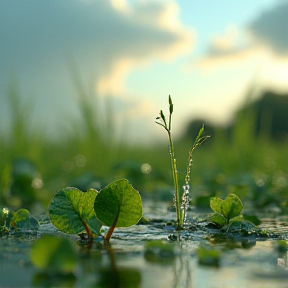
{"x":244,"y":261}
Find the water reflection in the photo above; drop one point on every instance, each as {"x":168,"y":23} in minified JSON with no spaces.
{"x":113,"y":276}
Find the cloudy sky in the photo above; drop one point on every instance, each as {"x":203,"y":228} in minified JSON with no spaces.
{"x":137,"y":52}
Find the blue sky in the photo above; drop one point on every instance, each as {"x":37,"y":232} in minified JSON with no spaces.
{"x":204,"y":53}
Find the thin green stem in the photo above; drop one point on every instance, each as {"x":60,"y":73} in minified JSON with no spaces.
{"x":175,"y":180}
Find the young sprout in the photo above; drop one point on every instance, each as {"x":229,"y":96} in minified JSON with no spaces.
{"x":181,"y":205}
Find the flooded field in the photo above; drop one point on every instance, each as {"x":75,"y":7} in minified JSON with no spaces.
{"x":131,"y":261}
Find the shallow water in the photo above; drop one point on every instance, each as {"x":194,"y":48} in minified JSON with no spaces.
{"x":244,"y":262}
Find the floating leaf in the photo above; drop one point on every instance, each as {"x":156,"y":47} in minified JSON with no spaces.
{"x":72,"y":211}
{"x":23,"y":219}
{"x":51,"y":253}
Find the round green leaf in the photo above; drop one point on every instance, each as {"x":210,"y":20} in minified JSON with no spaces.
{"x":54,"y":254}
{"x":118,"y":204}
{"x":70,"y":210}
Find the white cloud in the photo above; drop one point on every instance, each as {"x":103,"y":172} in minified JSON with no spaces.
{"x":106,"y":39}
{"x":263,"y":45}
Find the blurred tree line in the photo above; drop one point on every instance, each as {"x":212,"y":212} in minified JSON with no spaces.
{"x":268,"y":116}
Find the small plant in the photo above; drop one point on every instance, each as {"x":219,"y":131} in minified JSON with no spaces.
{"x":181,"y":200}
{"x":117,"y":205}
{"x":227,"y":214}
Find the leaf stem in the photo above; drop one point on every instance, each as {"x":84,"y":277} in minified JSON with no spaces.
{"x":88,"y":230}
{"x":112,"y":227}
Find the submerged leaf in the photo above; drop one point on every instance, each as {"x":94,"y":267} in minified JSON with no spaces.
{"x":118,"y":204}
{"x":72,"y":211}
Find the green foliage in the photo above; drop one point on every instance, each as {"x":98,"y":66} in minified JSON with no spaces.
{"x":23,"y":219}
{"x":118,"y":205}
{"x":72,"y":211}
{"x":54,"y":254}
{"x":227,"y":213}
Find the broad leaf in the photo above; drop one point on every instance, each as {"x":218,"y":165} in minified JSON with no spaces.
{"x":118,"y":204}
{"x":218,"y":219}
{"x":55,"y":254}
{"x":72,"y":211}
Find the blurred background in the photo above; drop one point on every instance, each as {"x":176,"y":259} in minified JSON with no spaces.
{"x":82,"y":81}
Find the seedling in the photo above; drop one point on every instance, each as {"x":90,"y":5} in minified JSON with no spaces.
{"x":181,"y":200}
{"x":72,"y":211}
{"x":227,"y":214}
{"x":118,"y":205}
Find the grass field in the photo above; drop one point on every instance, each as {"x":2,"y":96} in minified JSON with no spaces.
{"x":254,"y":168}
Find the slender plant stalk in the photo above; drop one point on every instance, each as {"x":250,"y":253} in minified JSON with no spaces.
{"x":181,"y":206}
{"x":163,"y":123}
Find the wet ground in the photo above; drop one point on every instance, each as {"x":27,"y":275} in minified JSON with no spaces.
{"x":249,"y":261}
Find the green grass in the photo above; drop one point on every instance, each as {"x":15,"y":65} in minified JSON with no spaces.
{"x":238,"y":164}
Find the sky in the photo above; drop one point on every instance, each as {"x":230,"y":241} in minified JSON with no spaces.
{"x":205,"y":54}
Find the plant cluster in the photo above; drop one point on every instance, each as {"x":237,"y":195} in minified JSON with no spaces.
{"x":228,"y":214}
{"x":117,"y":205}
